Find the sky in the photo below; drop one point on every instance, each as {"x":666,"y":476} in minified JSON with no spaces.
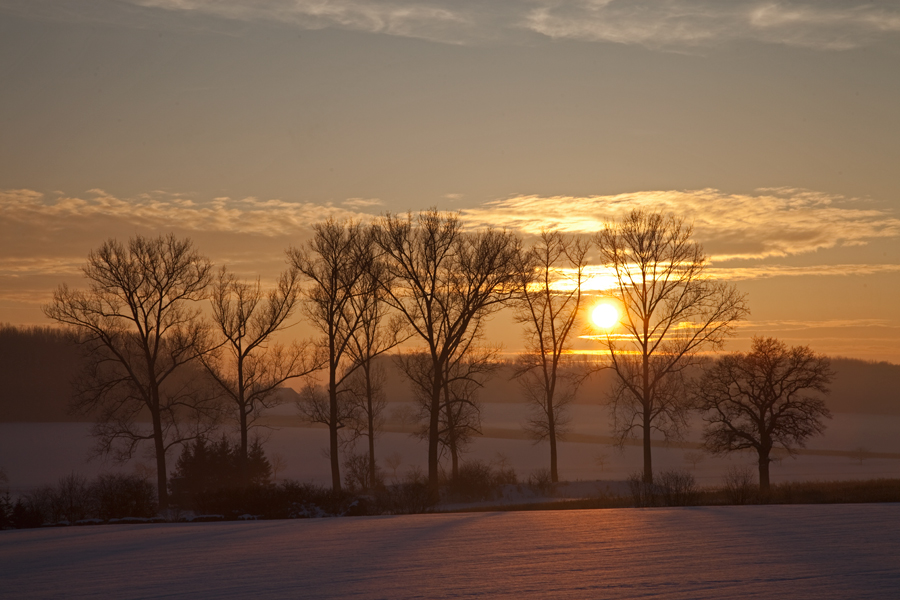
{"x":771,"y":126}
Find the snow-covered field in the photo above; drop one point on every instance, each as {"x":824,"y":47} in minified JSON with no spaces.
{"x":797,"y":552}
{"x":33,"y":454}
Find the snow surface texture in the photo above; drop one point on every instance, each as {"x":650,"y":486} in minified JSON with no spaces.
{"x":797,"y":552}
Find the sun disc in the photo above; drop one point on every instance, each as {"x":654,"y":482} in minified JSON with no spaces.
{"x":605,"y":316}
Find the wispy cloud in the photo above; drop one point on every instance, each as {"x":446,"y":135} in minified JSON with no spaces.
{"x":828,"y":24}
{"x":446,"y":22}
{"x":161,"y":210}
{"x":823,"y":24}
{"x":362,"y":202}
{"x":768,"y":271}
{"x":769,"y":223}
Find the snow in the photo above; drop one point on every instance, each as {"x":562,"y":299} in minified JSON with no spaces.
{"x":821,"y":552}
{"x":35,"y":454}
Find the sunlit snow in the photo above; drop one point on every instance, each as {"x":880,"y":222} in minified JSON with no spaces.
{"x":821,"y":552}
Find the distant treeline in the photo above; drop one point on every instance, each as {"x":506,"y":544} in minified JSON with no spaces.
{"x":38,"y":364}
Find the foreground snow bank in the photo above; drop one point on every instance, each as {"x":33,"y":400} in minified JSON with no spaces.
{"x":821,"y":552}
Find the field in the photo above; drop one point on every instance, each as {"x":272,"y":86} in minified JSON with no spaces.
{"x":821,"y":552}
{"x":40,"y":453}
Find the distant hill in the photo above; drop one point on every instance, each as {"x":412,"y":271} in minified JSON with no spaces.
{"x":37,"y":366}
{"x":865,"y":387}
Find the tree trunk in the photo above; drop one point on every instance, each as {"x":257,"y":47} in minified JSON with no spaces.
{"x":454,"y":458}
{"x":554,"y":474}
{"x":648,"y":460}
{"x":162,"y":493}
{"x":764,"y":471}
{"x":243,"y":458}
{"x":333,"y":434}
{"x":433,"y":428}
{"x":372,"y":481}
{"x":242,"y":408}
{"x":646,"y":406}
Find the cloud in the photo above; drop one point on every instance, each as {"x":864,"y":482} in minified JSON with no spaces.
{"x":793,"y":325}
{"x":827,"y":25}
{"x":161,"y":210}
{"x":770,"y":223}
{"x":768,"y":271}
{"x":446,"y":22}
{"x":823,"y":24}
{"x":362,"y":202}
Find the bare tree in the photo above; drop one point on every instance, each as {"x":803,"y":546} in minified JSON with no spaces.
{"x":672,"y":309}
{"x":141,"y":330}
{"x":550,"y":279}
{"x":460,"y":411}
{"x":443,"y":282}
{"x":377,"y":334}
{"x":248,"y":365}
{"x":768,"y":398}
{"x":335,"y":262}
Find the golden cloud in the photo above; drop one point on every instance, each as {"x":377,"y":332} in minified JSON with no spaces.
{"x":770,"y":223}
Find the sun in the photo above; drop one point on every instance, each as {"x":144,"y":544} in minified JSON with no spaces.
{"x":605,"y":316}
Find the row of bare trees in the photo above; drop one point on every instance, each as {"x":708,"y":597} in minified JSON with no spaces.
{"x":367,"y":289}
{"x":151,"y":353}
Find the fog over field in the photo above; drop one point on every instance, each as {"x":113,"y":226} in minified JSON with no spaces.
{"x":40,"y":453}
{"x":859,"y":442}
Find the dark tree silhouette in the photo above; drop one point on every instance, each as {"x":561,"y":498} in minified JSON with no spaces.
{"x":377,"y":334}
{"x":335,"y":262}
{"x":444,"y":281}
{"x":204,"y":468}
{"x":550,"y":279}
{"x":672,"y":309}
{"x":767,"y":398}
{"x":248,"y":365}
{"x":460,"y":411}
{"x":141,"y":329}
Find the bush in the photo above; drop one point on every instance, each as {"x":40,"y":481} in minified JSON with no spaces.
{"x":541,"y":482}
{"x":478,"y":480}
{"x":75,"y":498}
{"x":204,"y":470}
{"x":411,"y":496}
{"x":117,"y":496}
{"x":24,"y":516}
{"x":6,"y":511}
{"x":740,"y":487}
{"x":72,"y":500}
{"x":677,"y":487}
{"x":356,"y":473}
{"x":642,"y":494}
{"x":475,"y":482}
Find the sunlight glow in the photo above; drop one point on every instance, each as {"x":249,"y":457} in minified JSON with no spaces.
{"x":605,"y":316}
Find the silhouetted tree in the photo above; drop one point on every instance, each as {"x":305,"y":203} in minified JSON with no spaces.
{"x":769,"y":397}
{"x":443,"y":281}
{"x":377,"y":334}
{"x":207,"y":468}
{"x":248,"y":365}
{"x":550,"y":279}
{"x":141,"y":329}
{"x":460,"y":410}
{"x":335,"y":262}
{"x":672,"y":309}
